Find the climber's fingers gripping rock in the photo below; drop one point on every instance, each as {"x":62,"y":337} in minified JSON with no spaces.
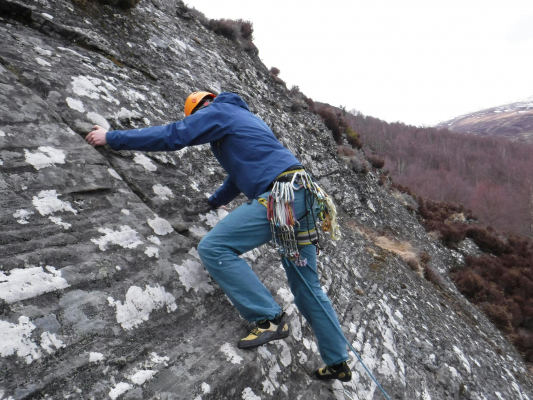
{"x":97,"y":137}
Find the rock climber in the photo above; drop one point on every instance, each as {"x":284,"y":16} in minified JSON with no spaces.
{"x":257,"y":164}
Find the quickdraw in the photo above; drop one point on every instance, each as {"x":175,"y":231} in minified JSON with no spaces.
{"x":282,"y":218}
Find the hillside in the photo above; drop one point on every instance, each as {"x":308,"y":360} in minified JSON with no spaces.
{"x":490,"y":175}
{"x":513,"y":121}
{"x":102,"y":294}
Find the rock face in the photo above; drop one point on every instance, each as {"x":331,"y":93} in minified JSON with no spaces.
{"x":513,"y":121}
{"x":102,"y":294}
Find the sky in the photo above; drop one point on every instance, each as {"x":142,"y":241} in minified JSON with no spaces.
{"x":415,"y":61}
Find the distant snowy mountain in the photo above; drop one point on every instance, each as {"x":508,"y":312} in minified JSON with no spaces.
{"x":514,"y":120}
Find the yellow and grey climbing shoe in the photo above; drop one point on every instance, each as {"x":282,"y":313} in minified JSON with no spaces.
{"x":339,"y":371}
{"x":265,"y":331}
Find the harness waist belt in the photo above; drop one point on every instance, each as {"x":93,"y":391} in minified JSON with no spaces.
{"x":285,"y":176}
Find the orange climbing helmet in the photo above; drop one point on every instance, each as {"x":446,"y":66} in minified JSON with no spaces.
{"x":194,"y":100}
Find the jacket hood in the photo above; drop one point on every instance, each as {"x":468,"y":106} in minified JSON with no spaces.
{"x":232,"y":98}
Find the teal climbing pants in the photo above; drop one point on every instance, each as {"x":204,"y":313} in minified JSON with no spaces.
{"x":243,"y":230}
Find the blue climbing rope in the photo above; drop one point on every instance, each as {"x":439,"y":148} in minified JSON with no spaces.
{"x":338,"y":328}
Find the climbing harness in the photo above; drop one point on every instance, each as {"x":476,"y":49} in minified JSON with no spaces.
{"x":282,"y":217}
{"x":342,"y":334}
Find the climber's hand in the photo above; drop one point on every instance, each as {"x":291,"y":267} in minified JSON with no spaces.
{"x":97,"y":136}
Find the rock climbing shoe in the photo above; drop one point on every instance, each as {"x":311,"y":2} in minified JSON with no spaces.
{"x":265,"y":331}
{"x":339,"y":371}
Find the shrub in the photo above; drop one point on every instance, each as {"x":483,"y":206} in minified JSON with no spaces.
{"x":346,"y":151}
{"x":523,"y":340}
{"x":358,"y":165}
{"x":274,"y":72}
{"x":226,"y":27}
{"x":235,"y":30}
{"x":403,"y":189}
{"x":353,"y":138}
{"x":498,"y":315}
{"x":425,"y":258}
{"x":413,"y":264}
{"x":450,"y":233}
{"x":311,"y":104}
{"x":334,"y":122}
{"x":375,"y":161}
{"x":247,"y":29}
{"x":470,"y":284}
{"x":486,"y":241}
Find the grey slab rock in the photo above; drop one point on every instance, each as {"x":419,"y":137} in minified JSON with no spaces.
{"x":102,"y":292}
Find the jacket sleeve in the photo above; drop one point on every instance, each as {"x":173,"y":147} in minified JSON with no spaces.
{"x":224,"y":194}
{"x":205,"y":126}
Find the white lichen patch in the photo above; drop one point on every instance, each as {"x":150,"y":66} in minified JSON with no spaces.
{"x":163,"y":192}
{"x":42,"y":51}
{"x":230,"y":354}
{"x":193,"y":276}
{"x":251,"y":255}
{"x":302,"y":357}
{"x":134,"y":96}
{"x":248,"y":394}
{"x":387,"y":366}
{"x":160,"y":226}
{"x":22,"y":216}
{"x":119,"y":389}
{"x":46,"y":157}
{"x":2,"y":134}
{"x":75,"y":104}
{"x":125,"y":212}
{"x":140,"y":303}
{"x":213,"y":217}
{"x":16,"y":339}
{"x":46,"y":202}
{"x":96,"y":357}
{"x":91,"y":87}
{"x":206,"y":388}
{"x":97,"y":119}
{"x":158,"y":359}
{"x":59,"y":221}
{"x":163,"y":158}
{"x":125,"y":237}
{"x":310,"y":345}
{"x":140,"y":377}
{"x":285,"y":357}
{"x":198,"y":231}
{"x":25,"y":283}
{"x":194,"y":185}
{"x":141,"y":159}
{"x":268,"y":387}
{"x":50,"y":343}
{"x":125,"y":113}
{"x":74,"y":53}
{"x":152,"y":251}
{"x":42,"y":62}
{"x":288,"y":300}
{"x":114,"y":173}
{"x":462,"y":357}
{"x":154,"y":240}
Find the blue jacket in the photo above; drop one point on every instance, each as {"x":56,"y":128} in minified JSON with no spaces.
{"x":242,"y":143}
